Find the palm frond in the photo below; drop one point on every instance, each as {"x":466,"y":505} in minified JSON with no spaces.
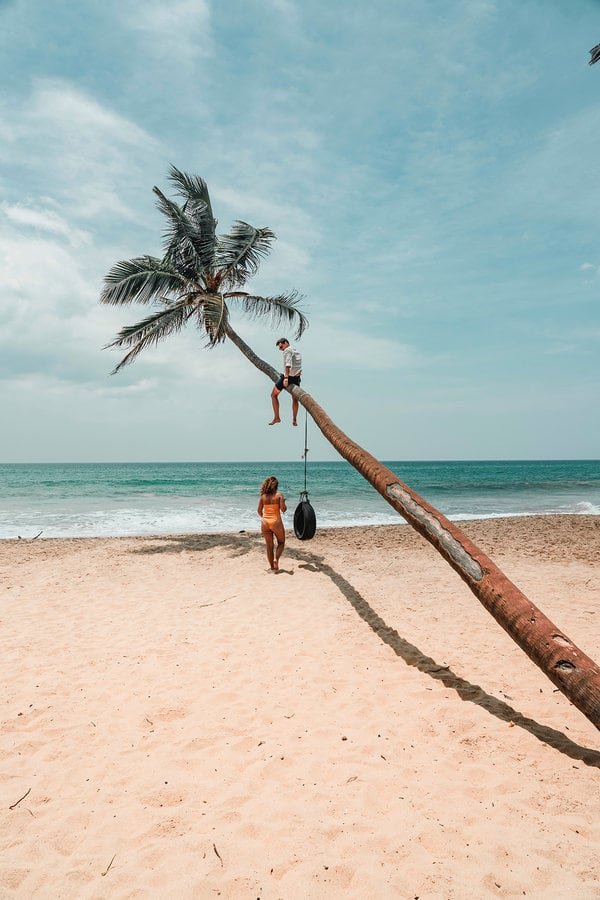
{"x":191,"y":187}
{"x":204,"y":226}
{"x":197,"y":205}
{"x":189,"y":238}
{"x":213,"y":318}
{"x":140,"y":280}
{"x":151,"y":330}
{"x":239,"y":253}
{"x":281,"y":310}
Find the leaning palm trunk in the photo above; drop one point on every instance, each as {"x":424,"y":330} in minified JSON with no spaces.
{"x":574,"y":673}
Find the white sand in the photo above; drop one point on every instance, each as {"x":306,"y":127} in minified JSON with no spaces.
{"x":189,"y":725}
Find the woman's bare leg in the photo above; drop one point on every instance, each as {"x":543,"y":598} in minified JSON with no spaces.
{"x":268,"y":536}
{"x":280,"y":535}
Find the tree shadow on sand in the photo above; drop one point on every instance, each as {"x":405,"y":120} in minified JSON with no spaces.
{"x":412,"y":656}
{"x":241,"y":544}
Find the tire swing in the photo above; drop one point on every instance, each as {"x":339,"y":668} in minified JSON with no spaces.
{"x":305,"y":519}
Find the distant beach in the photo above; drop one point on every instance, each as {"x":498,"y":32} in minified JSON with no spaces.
{"x":118,"y":499}
{"x":179,"y":722}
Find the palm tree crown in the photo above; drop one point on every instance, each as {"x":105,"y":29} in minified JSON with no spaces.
{"x":199,"y":276}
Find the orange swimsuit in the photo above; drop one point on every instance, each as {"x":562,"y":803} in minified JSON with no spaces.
{"x":271,"y":514}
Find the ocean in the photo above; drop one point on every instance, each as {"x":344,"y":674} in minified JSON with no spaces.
{"x":89,"y":499}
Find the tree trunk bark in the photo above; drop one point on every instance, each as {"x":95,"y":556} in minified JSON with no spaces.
{"x":574,"y":673}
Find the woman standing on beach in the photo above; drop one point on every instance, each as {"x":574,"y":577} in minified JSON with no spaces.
{"x":270,"y":507}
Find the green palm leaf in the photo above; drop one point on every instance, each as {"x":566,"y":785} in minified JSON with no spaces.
{"x":213,"y":318}
{"x":151,"y":330}
{"x":189,"y":239}
{"x":198,"y":208}
{"x":280,"y":310}
{"x":192,"y":188}
{"x":140,"y":280}
{"x":239,"y":253}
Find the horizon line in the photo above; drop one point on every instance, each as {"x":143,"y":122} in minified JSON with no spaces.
{"x":192,"y":462}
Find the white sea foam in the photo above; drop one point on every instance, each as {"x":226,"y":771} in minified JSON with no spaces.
{"x":583,"y":508}
{"x":108,"y":522}
{"x":210,"y":518}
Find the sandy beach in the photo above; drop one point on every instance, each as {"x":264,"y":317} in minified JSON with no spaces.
{"x":179,"y":722}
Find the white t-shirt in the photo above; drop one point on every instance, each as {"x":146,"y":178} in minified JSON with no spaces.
{"x":293,"y":359}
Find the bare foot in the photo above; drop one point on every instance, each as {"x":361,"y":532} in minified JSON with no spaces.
{"x":294,"y":423}
{"x":275,"y":422}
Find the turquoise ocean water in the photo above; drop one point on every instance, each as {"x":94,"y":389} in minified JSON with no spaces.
{"x":84,"y":500}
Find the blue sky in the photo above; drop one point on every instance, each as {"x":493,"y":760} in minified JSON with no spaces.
{"x":432,"y":173}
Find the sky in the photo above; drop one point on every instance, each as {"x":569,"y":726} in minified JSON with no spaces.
{"x":432,"y":173}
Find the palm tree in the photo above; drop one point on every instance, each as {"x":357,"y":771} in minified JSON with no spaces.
{"x":199,"y":274}
{"x":198,"y":277}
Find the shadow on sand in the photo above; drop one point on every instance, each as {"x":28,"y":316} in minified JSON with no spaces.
{"x":241,"y":544}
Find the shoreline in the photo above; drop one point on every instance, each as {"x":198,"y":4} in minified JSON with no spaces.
{"x":477,"y":523}
{"x":357,"y":725}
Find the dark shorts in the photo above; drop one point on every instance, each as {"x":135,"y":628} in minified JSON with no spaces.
{"x":292,"y":379}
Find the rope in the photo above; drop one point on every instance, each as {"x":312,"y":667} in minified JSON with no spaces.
{"x":305,"y":454}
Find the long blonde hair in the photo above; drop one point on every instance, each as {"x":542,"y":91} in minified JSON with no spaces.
{"x":269,"y":485}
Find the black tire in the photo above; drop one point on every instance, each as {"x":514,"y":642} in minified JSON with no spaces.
{"x":305,"y":521}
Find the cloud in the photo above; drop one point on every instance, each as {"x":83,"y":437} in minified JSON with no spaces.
{"x":72,"y":148}
{"x":79,"y":116}
{"x":51,"y":322}
{"x":343,"y":346}
{"x":48,"y":322}
{"x":589,"y":269}
{"x":177,"y":31}
{"x":45,"y":220}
